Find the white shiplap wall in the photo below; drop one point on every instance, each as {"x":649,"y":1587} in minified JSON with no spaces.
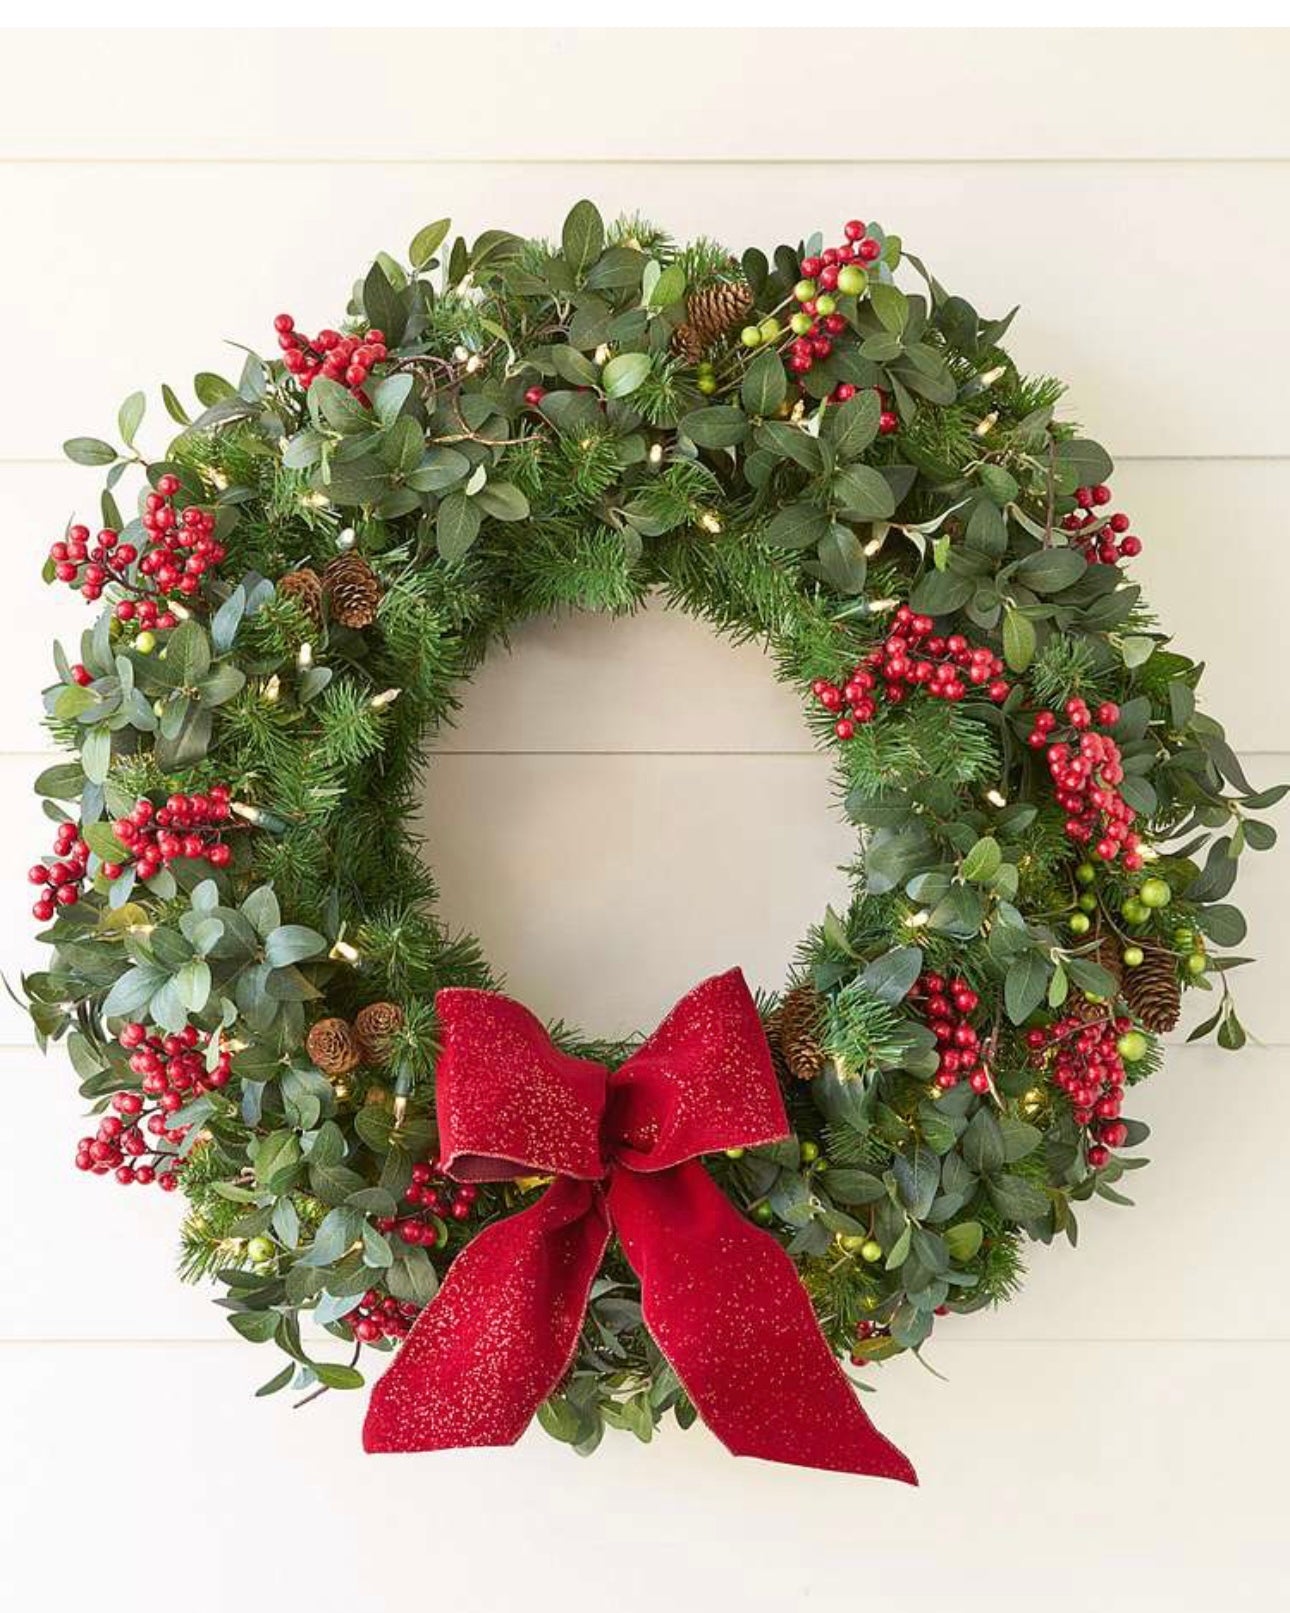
{"x":1115,"y":1435}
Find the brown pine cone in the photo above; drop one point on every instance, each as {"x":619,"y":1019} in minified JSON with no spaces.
{"x":333,"y":1047}
{"x":1152,"y":990}
{"x":711,"y":314}
{"x":375,"y":1026}
{"x":306,"y":589}
{"x":796,"y":1028}
{"x":352,"y":590}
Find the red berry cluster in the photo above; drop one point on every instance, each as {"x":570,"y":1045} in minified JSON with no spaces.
{"x":947,"y":1005}
{"x":63,"y":877}
{"x":1101,"y":537}
{"x":181,"y":548}
{"x":88,"y":569}
{"x":347,"y":359}
{"x":380,"y":1316}
{"x":172,"y":1071}
{"x":1079,"y":1052}
{"x":432,"y":1194}
{"x":1085,"y":775}
{"x":182,"y":545}
{"x":145,"y":613}
{"x":187,"y":826}
{"x":837,"y":268}
{"x":911,"y":658}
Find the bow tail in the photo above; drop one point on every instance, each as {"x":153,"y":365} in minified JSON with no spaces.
{"x":499,"y":1335}
{"x":725,"y":1305}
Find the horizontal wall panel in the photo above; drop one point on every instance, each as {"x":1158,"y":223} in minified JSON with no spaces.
{"x":659,"y":682}
{"x":1163,"y":1270}
{"x":1153,"y":1471}
{"x":575,"y":92}
{"x":604,"y":886}
{"x":1132,"y":323}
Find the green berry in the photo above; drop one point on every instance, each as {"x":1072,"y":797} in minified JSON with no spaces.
{"x":1195,"y":964}
{"x":750,"y":336}
{"x":1134,"y":911}
{"x":763,"y":1213}
{"x":1087,"y":902}
{"x":1185,"y":938}
{"x":707,"y":384}
{"x":705,"y":367}
{"x":259,"y":1249}
{"x":734,"y":1153}
{"x":851,"y":280}
{"x":146,"y":643}
{"x":1079,"y":923}
{"x":810,"y":1152}
{"x":770,"y":330}
{"x":1086,"y":873}
{"x":871,"y":1250}
{"x":804,"y":290}
{"x":801,"y":324}
{"x":1132,"y":1046}
{"x":853,"y":1242}
{"x":1155,"y":893}
{"x":1131,"y":957}
{"x":826,"y":305}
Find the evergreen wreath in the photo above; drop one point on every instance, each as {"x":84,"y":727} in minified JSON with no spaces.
{"x":245,"y":946}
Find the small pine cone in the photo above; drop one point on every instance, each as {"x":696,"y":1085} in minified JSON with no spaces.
{"x":352,"y":590}
{"x":375,"y":1026}
{"x":333,"y":1047}
{"x":306,"y":589}
{"x":1152,"y":990}
{"x":796,"y":1029}
{"x":710,"y":315}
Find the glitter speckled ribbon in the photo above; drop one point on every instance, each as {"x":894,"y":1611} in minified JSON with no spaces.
{"x":720,"y":1296}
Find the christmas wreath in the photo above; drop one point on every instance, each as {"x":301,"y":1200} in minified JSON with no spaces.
{"x":247,"y":968}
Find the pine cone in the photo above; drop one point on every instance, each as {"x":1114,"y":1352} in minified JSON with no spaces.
{"x":1152,"y":990}
{"x":796,"y":1029}
{"x":374,"y":1027}
{"x":710,"y":315}
{"x":352,"y":590}
{"x":333,"y":1047}
{"x":306,"y":589}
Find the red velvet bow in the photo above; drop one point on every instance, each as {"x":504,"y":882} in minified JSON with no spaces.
{"x":720,"y":1296}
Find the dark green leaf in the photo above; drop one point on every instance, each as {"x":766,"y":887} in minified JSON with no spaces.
{"x":719,"y":426}
{"x":456,"y":526}
{"x":583,"y":236}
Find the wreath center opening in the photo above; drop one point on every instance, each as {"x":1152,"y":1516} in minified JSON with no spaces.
{"x":624,"y":805}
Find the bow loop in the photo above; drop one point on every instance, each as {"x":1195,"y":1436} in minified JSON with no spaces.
{"x":702,"y":1083}
{"x":509,"y":1102}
